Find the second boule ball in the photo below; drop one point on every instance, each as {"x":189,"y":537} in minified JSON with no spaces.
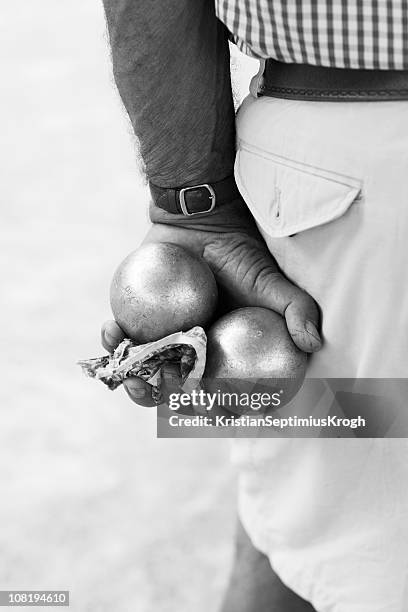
{"x":160,"y":289}
{"x":251,"y":349}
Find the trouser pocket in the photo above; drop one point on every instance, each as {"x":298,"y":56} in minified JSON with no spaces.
{"x":286,"y":196}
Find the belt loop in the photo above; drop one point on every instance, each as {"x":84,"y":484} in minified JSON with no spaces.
{"x":255,"y":87}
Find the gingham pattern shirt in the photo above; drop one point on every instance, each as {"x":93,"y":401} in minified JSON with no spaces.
{"x":341,"y":33}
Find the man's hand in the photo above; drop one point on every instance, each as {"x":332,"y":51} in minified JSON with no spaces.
{"x":172,"y":67}
{"x":246,"y":274}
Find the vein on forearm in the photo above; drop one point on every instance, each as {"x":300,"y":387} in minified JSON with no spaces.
{"x":171,"y":66}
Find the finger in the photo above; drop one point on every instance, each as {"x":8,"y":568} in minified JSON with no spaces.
{"x":171,"y":378}
{"x":302,"y":322}
{"x":111,"y":335}
{"x":298,"y":308}
{"x":172,"y":384}
{"x":139,"y":391}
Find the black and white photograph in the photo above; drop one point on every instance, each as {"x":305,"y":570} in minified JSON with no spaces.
{"x":204,"y":398}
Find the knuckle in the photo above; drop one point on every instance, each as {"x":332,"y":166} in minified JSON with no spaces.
{"x":303,"y":300}
{"x":264,"y":279}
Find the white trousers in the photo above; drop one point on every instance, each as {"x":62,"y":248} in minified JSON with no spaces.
{"x":327,"y":183}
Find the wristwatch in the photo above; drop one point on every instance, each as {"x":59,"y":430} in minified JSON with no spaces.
{"x":195,"y":199}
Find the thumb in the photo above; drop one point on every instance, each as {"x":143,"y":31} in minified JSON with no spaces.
{"x":111,"y":335}
{"x":274,"y":291}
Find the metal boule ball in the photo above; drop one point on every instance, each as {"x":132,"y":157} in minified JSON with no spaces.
{"x":160,"y":289}
{"x":250,"y":349}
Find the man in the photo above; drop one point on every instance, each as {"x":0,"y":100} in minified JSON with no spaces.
{"x":321,"y":163}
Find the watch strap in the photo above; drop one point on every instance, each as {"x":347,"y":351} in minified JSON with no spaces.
{"x":195,"y":199}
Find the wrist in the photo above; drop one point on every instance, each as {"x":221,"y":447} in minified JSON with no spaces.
{"x":231,"y":216}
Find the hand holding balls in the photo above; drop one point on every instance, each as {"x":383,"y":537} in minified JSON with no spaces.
{"x":162,"y":288}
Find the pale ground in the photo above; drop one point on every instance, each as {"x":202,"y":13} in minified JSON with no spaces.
{"x":91,"y":501}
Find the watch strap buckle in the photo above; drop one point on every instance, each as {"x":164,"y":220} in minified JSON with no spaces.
{"x":184,"y":204}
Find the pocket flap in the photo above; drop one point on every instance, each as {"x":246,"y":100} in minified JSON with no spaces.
{"x":286,"y":196}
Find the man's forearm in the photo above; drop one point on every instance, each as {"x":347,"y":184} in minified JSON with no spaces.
{"x":171,"y":66}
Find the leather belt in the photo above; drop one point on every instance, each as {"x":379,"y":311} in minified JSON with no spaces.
{"x":306,"y":82}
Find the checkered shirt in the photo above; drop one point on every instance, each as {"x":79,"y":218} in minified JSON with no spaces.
{"x":341,"y":33}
